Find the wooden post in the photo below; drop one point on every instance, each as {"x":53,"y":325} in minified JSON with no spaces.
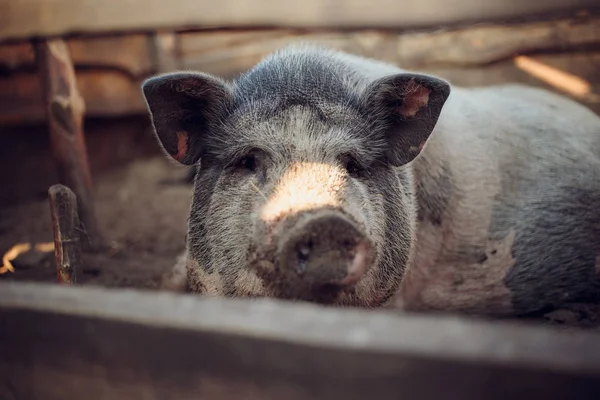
{"x":67,"y":238}
{"x":65,"y":109}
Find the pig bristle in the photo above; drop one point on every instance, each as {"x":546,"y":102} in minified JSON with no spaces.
{"x":481,"y":205}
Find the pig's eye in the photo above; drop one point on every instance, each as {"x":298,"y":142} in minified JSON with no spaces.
{"x":353,"y":167}
{"x":247,"y":162}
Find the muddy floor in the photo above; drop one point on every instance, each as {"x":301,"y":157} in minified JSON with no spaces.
{"x":142,"y":203}
{"x":143,"y":218}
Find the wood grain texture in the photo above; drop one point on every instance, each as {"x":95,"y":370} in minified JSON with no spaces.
{"x":230,"y":52}
{"x":62,"y":342}
{"x":165,"y":50}
{"x":129,"y":54}
{"x":109,"y":93}
{"x":66,"y":230}
{"x":483,"y":44}
{"x":109,"y":81}
{"x":106,"y":93}
{"x":65,"y":109}
{"x":26,"y":18}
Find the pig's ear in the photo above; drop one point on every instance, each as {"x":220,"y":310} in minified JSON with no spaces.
{"x":407,"y":106}
{"x":184,"y":108}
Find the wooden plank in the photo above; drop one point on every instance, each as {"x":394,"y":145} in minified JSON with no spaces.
{"x":110,"y":83}
{"x":485,"y":44}
{"x":62,"y":342}
{"x":230,"y":52}
{"x":107,"y":93}
{"x":474,"y":56}
{"x":130,"y":54}
{"x":26,"y":18}
{"x":166,"y":52}
{"x":473,"y":45}
{"x":66,"y":230}
{"x":65,"y":109}
{"x":583,"y":66}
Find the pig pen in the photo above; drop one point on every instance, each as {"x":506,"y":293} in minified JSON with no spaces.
{"x":114,"y":336}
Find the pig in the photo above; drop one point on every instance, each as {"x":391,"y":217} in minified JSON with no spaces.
{"x":324,"y":176}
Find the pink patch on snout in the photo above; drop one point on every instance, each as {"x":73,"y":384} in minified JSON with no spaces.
{"x":358,"y":265}
{"x":182,"y":145}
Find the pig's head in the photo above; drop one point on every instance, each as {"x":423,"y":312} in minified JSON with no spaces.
{"x":302,"y":190}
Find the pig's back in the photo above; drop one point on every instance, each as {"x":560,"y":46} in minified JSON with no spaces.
{"x":512,"y":175}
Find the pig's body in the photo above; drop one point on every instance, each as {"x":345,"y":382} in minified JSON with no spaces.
{"x":499,"y":213}
{"x":509,"y":199}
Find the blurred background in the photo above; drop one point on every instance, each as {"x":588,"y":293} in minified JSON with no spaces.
{"x":141,"y":199}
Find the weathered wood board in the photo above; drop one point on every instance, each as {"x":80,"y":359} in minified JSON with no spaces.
{"x":477,"y":45}
{"x":110,"y":69}
{"x":131,"y":54}
{"x":471,"y":56}
{"x":83,"y":342}
{"x":27,"y":18}
{"x":106,"y":94}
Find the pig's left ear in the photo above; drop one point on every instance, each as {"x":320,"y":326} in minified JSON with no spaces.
{"x":407,"y":106}
{"x":185,"y":107}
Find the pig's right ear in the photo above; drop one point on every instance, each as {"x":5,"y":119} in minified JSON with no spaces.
{"x":184,"y":108}
{"x":407,"y":106}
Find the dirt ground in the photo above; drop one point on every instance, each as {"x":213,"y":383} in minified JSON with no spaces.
{"x":143,"y":218}
{"x":142,"y":204}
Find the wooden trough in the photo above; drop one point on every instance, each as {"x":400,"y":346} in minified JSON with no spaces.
{"x":65,"y":341}
{"x":60,"y":342}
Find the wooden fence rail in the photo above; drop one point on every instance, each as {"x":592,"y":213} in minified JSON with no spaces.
{"x":91,"y":343}
{"x":109,"y":70}
{"x":21,"y":19}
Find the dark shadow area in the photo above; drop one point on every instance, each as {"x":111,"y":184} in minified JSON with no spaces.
{"x":142,"y":217}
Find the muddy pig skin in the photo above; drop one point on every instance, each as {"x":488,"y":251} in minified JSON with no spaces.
{"x":327,"y":177}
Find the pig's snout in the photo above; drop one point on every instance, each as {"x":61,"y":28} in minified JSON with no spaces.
{"x":325,"y":250}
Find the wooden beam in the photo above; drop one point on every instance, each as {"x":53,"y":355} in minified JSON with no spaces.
{"x":230,"y":52}
{"x":107,"y":93}
{"x":26,"y":18}
{"x":110,"y":69}
{"x":129,"y":54}
{"x":62,"y":342}
{"x":65,"y":110}
{"x":66,"y":231}
{"x":483,"y":44}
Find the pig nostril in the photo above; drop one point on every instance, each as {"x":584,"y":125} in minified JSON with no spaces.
{"x":303,"y":253}
{"x":301,"y":266}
